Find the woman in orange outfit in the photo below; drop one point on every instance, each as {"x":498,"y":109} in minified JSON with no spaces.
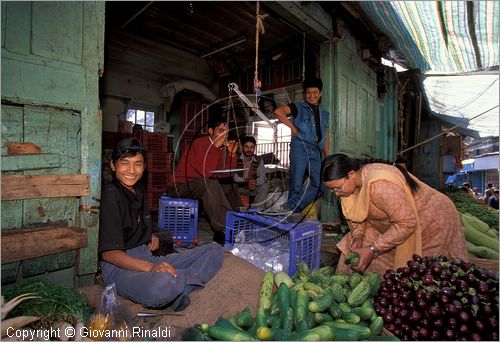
{"x":391,"y":215}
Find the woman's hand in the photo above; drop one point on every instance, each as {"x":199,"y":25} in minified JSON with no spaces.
{"x":365,"y":258}
{"x":164,"y":267}
{"x":357,"y":243}
{"x":295,"y":131}
{"x":154,"y":244}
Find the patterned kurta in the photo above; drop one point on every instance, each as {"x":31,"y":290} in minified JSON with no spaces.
{"x":390,"y":221}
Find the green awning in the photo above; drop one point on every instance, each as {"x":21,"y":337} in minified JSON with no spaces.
{"x":440,"y":36}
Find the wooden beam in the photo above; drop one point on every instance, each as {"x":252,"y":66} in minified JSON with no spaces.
{"x":30,"y":162}
{"x":307,"y":16}
{"x":44,"y":186}
{"x":26,"y":243}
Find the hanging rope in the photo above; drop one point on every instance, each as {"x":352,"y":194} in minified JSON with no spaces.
{"x":303,"y":56}
{"x":259,"y":29}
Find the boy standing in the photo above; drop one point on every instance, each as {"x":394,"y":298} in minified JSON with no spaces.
{"x":310,"y":137}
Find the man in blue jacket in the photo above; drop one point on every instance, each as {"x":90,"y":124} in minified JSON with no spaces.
{"x":310,"y":137}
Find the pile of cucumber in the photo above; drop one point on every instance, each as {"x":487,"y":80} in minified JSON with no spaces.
{"x":317,"y":305}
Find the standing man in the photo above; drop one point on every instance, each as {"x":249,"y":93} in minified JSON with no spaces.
{"x":310,"y":137}
{"x":194,"y":176}
{"x":126,"y":241}
{"x":253,"y":181}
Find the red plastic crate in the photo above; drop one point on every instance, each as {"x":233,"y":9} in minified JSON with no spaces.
{"x":160,"y":161}
{"x":154,"y":142}
{"x":170,"y":144}
{"x":159,"y":181}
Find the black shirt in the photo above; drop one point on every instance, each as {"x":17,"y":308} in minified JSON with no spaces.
{"x":125,"y":220}
{"x":317,"y":118}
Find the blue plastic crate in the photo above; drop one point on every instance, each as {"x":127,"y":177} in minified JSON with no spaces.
{"x":179,"y":216}
{"x":304,"y":237}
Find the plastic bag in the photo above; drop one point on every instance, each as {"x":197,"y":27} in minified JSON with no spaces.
{"x":111,"y":321}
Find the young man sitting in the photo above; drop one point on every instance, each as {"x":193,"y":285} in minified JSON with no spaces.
{"x":253,"y":181}
{"x":195,"y":177}
{"x":126,"y":241}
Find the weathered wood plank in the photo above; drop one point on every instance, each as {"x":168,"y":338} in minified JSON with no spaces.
{"x":30,"y":162}
{"x":21,"y":244}
{"x":43,"y":186}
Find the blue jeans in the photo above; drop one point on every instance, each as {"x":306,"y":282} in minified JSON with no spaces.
{"x":194,"y":267}
{"x":304,"y":157}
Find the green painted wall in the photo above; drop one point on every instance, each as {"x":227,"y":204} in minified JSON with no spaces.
{"x":387,"y":141}
{"x":52,"y":55}
{"x":361,"y":125}
{"x":357,"y":106}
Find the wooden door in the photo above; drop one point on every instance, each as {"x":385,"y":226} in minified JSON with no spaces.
{"x":358,"y":108}
{"x":52,"y":58}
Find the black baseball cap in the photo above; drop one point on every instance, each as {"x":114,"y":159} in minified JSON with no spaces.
{"x":128,"y":147}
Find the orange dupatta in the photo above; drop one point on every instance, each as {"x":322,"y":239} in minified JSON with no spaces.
{"x":355,"y":208}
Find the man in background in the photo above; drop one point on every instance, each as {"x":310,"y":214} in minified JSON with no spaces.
{"x":493,"y":200}
{"x":195,"y":178}
{"x":253,"y":181}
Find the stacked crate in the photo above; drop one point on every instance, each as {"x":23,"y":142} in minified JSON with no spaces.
{"x":159,"y":165}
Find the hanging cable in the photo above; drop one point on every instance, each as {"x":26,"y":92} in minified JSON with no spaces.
{"x":447,"y":130}
{"x":303,"y":56}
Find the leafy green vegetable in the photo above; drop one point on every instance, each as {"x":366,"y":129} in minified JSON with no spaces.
{"x":56,"y":302}
{"x":467,"y":204}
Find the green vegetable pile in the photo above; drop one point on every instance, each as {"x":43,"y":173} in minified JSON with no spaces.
{"x":56,"y":302}
{"x":467,"y":204}
{"x":317,"y":305}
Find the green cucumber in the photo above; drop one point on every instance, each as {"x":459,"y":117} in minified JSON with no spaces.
{"x":227,"y":334}
{"x":293,"y":297}
{"x":360,"y":293}
{"x":364,"y":313}
{"x":261,"y":317}
{"x":266,"y":290}
{"x":350,"y":317}
{"x":355,"y":279}
{"x":321,"y":304}
{"x":320,"y":317}
{"x":342,"y":334}
{"x":224,"y":323}
{"x":340,"y":278}
{"x":376,"y":326}
{"x":344,"y":307}
{"x":363,"y":332}
{"x":284,"y":306}
{"x":325,"y":332}
{"x":304,"y":336}
{"x":245,"y":318}
{"x":273,"y":310}
{"x":282,"y":277}
{"x":300,"y":311}
{"x":334,"y":310}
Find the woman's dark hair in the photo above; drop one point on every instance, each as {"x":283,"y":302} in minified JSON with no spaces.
{"x":338,"y":165}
